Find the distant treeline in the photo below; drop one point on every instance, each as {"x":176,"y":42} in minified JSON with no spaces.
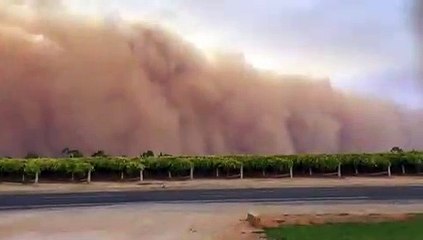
{"x":101,"y":167}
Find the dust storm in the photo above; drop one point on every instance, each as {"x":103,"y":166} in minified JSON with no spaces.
{"x":123,"y":87}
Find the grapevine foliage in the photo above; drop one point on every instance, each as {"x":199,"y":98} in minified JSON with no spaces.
{"x":181,"y":164}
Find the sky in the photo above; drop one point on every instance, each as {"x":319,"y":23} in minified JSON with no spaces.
{"x":364,"y":46}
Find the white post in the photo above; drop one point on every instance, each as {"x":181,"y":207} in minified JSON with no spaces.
{"x":89,"y":176}
{"x":36,"y":178}
{"x":73,"y":176}
{"x":169,"y":174}
{"x":310,"y":172}
{"x":291,"y":172}
{"x":264,"y":173}
{"x":339,"y":170}
{"x":389,"y":170}
{"x":191,"y":172}
{"x":217,"y":172}
{"x":121,"y":175}
{"x":141,"y":175}
{"x":242,"y":172}
{"x":403,"y":169}
{"x":23,"y":177}
{"x":356,"y":170}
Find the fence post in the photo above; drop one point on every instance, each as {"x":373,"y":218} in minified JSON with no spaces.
{"x":89,"y":176}
{"x":121,"y":175}
{"x":389,"y":170}
{"x":291,"y":172}
{"x":36,"y":178}
{"x":263,"y":173}
{"x":191,"y":172}
{"x":217,"y":172}
{"x":310,"y":172}
{"x":141,"y":175}
{"x":169,"y":174}
{"x":339,"y":170}
{"x":23,"y":177}
{"x":242,"y":171}
{"x":403,"y":169}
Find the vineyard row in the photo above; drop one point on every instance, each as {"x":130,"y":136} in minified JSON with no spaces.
{"x":190,"y":167}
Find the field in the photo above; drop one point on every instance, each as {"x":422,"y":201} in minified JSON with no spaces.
{"x":403,"y":230}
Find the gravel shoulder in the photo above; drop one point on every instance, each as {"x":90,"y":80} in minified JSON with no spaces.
{"x":164,"y":221}
{"x":16,"y":188}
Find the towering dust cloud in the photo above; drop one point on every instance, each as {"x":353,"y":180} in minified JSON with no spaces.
{"x":126,"y":88}
{"x":418,"y":16}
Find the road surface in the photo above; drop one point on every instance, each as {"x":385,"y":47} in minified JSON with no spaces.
{"x":275,"y":195}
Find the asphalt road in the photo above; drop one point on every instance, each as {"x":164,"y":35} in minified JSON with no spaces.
{"x":282,"y":195}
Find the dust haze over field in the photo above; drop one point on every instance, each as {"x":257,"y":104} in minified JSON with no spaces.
{"x":90,"y":84}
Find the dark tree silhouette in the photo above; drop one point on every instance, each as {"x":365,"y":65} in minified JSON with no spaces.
{"x":65,"y":151}
{"x":149,"y":153}
{"x":164,"y":155}
{"x":71,"y":153}
{"x":31,"y":155}
{"x":99,"y":153}
{"x":396,"y":150}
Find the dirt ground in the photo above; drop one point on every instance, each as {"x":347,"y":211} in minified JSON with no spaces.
{"x":165,"y":221}
{"x":211,"y":184}
{"x":271,"y":221}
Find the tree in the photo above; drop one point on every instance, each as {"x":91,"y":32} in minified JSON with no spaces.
{"x":135,"y":165}
{"x":147,"y":154}
{"x":12,"y":166}
{"x":33,"y":168}
{"x":396,"y":150}
{"x":180,"y":165}
{"x":31,"y":155}
{"x":230,"y":164}
{"x":77,"y":167}
{"x":120,"y":165}
{"x":99,"y":153}
{"x":164,"y":155}
{"x":65,"y":151}
{"x":72,"y":153}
